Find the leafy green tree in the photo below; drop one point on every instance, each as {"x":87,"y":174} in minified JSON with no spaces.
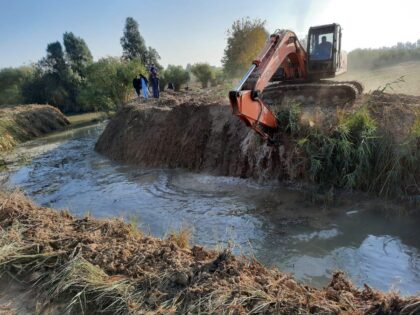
{"x":203,"y":72}
{"x":11,"y":82}
{"x":54,"y":62}
{"x":246,"y":38}
{"x":77,"y":53}
{"x":177,"y":75}
{"x":109,"y":83}
{"x":133,"y":44}
{"x":53,"y":82}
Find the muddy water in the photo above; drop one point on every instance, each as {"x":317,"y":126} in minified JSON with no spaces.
{"x":276,"y":225}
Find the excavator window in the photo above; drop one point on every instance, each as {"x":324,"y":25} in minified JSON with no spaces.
{"x":321,"y":46}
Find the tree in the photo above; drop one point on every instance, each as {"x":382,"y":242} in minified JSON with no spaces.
{"x":109,"y":83}
{"x":54,"y":61}
{"x":153,"y":57}
{"x":133,"y":44}
{"x":177,"y":76}
{"x":245,"y":40}
{"x":11,"y":82}
{"x":77,"y":53}
{"x":203,"y":72}
{"x":53,"y":81}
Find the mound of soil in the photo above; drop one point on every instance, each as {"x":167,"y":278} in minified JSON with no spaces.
{"x":195,"y":133}
{"x":25,"y":122}
{"x":109,"y":266}
{"x":395,"y":113}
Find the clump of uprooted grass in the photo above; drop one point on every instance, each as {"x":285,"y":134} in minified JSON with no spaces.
{"x":100,"y":266}
{"x":356,"y":154}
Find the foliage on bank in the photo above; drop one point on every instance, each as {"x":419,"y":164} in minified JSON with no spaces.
{"x":356,"y":154}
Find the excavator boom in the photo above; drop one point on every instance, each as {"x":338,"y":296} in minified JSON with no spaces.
{"x":246,"y":99}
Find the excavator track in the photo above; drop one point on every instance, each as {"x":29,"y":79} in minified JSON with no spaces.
{"x":321,"y":92}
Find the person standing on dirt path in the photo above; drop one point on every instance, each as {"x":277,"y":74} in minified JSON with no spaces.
{"x":155,"y":81}
{"x":137,"y":85}
{"x":144,"y":86}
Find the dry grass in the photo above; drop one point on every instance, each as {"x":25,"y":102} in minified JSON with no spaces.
{"x":99,"y":266}
{"x":24,"y":122}
{"x":181,"y":237}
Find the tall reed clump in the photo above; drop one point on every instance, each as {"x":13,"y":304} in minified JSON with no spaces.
{"x":356,"y":154}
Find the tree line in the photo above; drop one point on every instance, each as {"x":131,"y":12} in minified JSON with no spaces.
{"x":69,"y":78}
{"x":385,"y":56}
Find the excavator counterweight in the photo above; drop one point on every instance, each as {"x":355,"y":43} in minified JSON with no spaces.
{"x":286,"y":66}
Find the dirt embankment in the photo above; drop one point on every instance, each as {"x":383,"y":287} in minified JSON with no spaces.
{"x":193,"y":133}
{"x":25,"y":122}
{"x":91,"y":266}
{"x":201,"y":134}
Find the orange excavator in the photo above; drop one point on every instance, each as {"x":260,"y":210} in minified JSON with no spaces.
{"x":284,"y":66}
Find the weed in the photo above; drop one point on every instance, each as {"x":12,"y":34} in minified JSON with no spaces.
{"x":356,"y":155}
{"x":181,"y":237}
{"x":389,"y":85}
{"x":289,"y":119}
{"x":134,"y":225}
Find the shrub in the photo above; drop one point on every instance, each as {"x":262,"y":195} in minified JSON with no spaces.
{"x":177,"y":75}
{"x":218,"y":77}
{"x":204,"y":73}
{"x":356,"y":154}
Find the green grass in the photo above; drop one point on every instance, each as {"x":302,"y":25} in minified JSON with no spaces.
{"x":377,"y":78}
{"x":355,"y":154}
{"x":87,"y":118}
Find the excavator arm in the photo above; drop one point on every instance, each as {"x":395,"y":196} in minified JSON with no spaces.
{"x":282,"y":49}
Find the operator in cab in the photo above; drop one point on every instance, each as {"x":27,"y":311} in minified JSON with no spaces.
{"x":323,"y":50}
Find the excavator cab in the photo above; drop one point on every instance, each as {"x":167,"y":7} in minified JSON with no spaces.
{"x":325,"y":59}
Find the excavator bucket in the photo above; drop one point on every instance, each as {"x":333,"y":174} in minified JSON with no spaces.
{"x":254,"y":113}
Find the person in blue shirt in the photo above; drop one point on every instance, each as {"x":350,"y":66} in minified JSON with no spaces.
{"x":155,"y":81}
{"x":323,"y":50}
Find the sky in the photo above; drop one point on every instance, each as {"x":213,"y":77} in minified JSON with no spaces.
{"x":190,"y":31}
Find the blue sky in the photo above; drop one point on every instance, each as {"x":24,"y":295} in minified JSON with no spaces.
{"x":187,"y":31}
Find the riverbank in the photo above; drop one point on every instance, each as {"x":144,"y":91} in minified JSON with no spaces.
{"x":25,"y":122}
{"x":370,"y":145}
{"x":86,"y":119}
{"x":107,"y":265}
